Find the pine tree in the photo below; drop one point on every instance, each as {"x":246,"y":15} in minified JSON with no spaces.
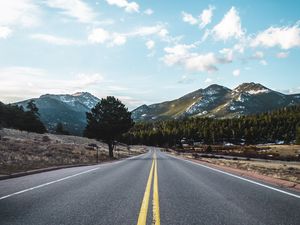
{"x":298,"y":136}
{"x":108,"y":120}
{"x":60,"y":129}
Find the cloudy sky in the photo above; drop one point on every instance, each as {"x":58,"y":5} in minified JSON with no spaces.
{"x":146,"y":51}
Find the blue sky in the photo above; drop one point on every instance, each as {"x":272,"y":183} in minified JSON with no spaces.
{"x":146,"y":51}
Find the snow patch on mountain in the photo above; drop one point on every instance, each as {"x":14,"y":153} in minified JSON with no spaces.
{"x":203,"y":102}
{"x":256,"y":92}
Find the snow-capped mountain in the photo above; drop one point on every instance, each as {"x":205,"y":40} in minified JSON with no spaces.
{"x":218,"y":102}
{"x":70,"y":110}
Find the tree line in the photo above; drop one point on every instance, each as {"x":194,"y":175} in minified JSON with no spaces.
{"x":279,"y":125}
{"x":16,"y":117}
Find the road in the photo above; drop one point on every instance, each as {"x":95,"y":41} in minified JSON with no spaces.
{"x":151,"y":187}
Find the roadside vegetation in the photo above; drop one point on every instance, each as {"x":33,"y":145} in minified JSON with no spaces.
{"x":298,"y":135}
{"x":247,"y":152}
{"x":16,"y":117}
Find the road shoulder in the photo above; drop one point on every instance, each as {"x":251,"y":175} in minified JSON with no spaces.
{"x":247,"y":174}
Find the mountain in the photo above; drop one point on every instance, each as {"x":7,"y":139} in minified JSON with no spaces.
{"x":214,"y":101}
{"x":218,"y":102}
{"x":68,"y":109}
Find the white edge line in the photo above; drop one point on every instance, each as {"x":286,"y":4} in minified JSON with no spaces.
{"x":64,"y":178}
{"x":241,"y":178}
{"x":46,"y":184}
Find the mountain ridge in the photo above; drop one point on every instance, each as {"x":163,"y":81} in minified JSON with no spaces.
{"x":214,"y":101}
{"x":217,"y":101}
{"x":68,"y":109}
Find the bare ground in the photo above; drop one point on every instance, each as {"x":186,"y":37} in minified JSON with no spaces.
{"x":22,"y":151}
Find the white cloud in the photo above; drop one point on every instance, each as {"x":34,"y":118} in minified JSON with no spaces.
{"x":118,"y":39}
{"x":236,"y":72}
{"x":5,"y":32}
{"x":176,"y":54}
{"x":185,"y":79}
{"x":205,"y":35}
{"x":113,"y":88}
{"x":148,"y":12}
{"x":55,"y":40}
{"x":229,"y":27}
{"x":188,"y":18}
{"x":282,"y":55}
{"x":258,"y":55}
{"x":228,"y":54}
{"x":203,"y":20}
{"x":263,"y":62}
{"x":85,"y":80}
{"x":180,"y":54}
{"x":8,"y":72}
{"x":202,"y":63}
{"x":128,"y":6}
{"x":98,"y":36}
{"x":150,"y":30}
{"x":208,"y":80}
{"x":295,"y":90}
{"x":130,"y":101}
{"x":101,"y":36}
{"x":150,"y":44}
{"x":205,"y":17}
{"x":19,"y":83}
{"x":157,"y":30}
{"x":163,"y":33}
{"x":240,"y":47}
{"x":283,"y":37}
{"x":24,"y":13}
{"x":74,"y":8}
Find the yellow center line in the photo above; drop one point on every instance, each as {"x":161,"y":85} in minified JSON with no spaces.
{"x":144,"y":208}
{"x":155,"y":203}
{"x":156,"y":213}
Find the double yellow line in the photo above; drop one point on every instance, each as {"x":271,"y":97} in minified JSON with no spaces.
{"x":144,"y":207}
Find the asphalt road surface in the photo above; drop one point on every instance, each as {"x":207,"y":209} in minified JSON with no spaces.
{"x":153,"y":188}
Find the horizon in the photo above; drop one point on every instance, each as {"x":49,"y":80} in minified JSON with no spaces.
{"x":133,"y":108}
{"x":145,"y":53}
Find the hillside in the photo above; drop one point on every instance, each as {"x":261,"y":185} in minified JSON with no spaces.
{"x":217,"y":101}
{"x":22,"y":151}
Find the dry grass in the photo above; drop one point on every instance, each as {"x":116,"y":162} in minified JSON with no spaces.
{"x":285,"y":150}
{"x":284,"y":171}
{"x":21,"y":151}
